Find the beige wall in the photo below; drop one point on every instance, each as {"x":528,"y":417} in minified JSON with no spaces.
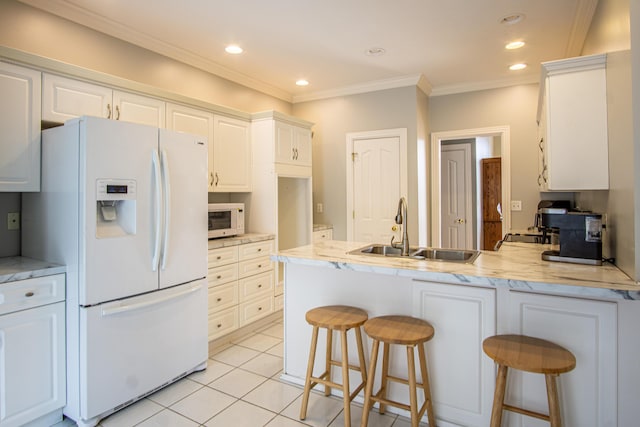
{"x":334,"y":118}
{"x":610,"y":28}
{"x":28,"y":29}
{"x":514,"y":107}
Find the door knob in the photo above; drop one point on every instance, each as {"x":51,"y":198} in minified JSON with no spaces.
{"x":460,"y":221}
{"x":394,"y":228}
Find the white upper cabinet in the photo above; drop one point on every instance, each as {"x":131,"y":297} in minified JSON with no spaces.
{"x":19,"y":128}
{"x":572,"y":118}
{"x":231,"y":155}
{"x":292,"y":144}
{"x":229,"y":145}
{"x":64,"y":98}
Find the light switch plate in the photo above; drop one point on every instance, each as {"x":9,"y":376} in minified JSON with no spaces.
{"x":13,"y":221}
{"x":516,"y":205}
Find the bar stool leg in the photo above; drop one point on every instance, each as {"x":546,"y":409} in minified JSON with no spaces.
{"x":307,"y":383}
{"x":369,"y":387}
{"x":345,"y":379}
{"x":327,"y":358}
{"x":384,"y":379}
{"x":413,"y":398}
{"x":498,"y":397}
{"x":554,"y":404}
{"x":426,"y":385}
{"x":363,"y":365}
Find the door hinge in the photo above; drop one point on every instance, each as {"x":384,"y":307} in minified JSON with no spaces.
{"x":353,"y":156}
{"x":353,"y":214}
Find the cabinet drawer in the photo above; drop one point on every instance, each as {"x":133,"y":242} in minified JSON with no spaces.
{"x":254,"y":286}
{"x":222,"y":323}
{"x":322,"y":235}
{"x":222,"y":256}
{"x":23,"y":294}
{"x":254,"y":250}
{"x":222,"y":296}
{"x":254,"y":266}
{"x":224,"y":274}
{"x":254,"y":310}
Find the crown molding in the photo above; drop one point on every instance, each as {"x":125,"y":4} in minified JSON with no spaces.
{"x":491,"y":84}
{"x":418,"y":80}
{"x":585,"y":10}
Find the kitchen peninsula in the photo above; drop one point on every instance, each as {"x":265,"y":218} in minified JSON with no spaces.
{"x":592,"y":310}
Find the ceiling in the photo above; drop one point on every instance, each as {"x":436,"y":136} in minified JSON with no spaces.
{"x":444,"y":47}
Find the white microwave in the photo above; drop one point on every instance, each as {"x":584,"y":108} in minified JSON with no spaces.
{"x":226,"y":219}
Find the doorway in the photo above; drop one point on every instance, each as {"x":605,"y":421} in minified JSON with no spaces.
{"x":502,"y":133}
{"x":457,"y":194}
{"x":376,"y":171}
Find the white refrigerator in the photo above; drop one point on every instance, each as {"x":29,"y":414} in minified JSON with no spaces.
{"x":124,"y":206}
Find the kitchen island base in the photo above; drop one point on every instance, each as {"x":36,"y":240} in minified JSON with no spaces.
{"x":463,"y":315}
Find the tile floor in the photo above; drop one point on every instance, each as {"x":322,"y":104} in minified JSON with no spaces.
{"x":241,"y":388}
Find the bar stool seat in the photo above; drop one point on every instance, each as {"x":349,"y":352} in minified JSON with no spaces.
{"x":527,"y":354}
{"x":410,"y":332}
{"x":339,"y":318}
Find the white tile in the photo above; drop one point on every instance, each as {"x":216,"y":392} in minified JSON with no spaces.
{"x":167,"y":418}
{"x":264,"y":364}
{"x":235,"y":355}
{"x":321,"y":409}
{"x":203,"y":404}
{"x":277,"y":350}
{"x":132,"y":415}
{"x":241,"y":414}
{"x":174,"y":392}
{"x":281,"y":421}
{"x":405,"y":422}
{"x":375,"y":418}
{"x":259,"y":342}
{"x":273,"y":395}
{"x":275,"y":330}
{"x":214,"y":371}
{"x":238,"y":382}
{"x":66,"y":422}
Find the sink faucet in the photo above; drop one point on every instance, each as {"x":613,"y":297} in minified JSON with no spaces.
{"x":401,"y":219}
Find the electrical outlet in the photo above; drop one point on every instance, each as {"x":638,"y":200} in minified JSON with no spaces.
{"x":319,"y":208}
{"x":516,"y":205}
{"x":13,"y":221}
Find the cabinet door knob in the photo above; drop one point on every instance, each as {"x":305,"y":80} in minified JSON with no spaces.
{"x":219,"y":277}
{"x":29,"y":294}
{"x":218,"y":299}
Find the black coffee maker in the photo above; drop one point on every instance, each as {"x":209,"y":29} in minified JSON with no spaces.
{"x":579,"y":235}
{"x":549,"y":207}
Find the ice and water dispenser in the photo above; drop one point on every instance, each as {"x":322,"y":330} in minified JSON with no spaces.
{"x":115,"y":207}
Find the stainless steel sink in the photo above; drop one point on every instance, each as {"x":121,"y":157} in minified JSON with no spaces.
{"x":436,"y":254}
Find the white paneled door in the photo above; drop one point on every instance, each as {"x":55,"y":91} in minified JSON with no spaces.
{"x":456,"y":196}
{"x":376,"y":189}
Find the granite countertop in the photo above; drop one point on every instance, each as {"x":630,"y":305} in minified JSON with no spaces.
{"x":515,"y":265}
{"x":21,"y":268}
{"x":242,"y":239}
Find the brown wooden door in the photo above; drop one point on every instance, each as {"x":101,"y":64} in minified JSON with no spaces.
{"x":491,"y":197}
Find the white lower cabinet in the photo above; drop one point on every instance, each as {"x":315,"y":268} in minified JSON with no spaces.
{"x":587,"y":328}
{"x":462,"y":379}
{"x":32,"y":351}
{"x":241,"y":285}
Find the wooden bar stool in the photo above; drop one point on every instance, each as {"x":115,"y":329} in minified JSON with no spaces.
{"x":531,"y":355}
{"x":335,"y":318}
{"x":410,"y":332}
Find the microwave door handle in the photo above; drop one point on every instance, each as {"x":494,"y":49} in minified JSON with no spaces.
{"x":158,"y":213}
{"x":167,"y":207}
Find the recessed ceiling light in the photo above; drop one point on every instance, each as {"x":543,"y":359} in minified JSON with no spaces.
{"x":512,"y":18}
{"x":516,"y":67}
{"x":233,"y":49}
{"x":514,"y":45}
{"x":375,"y":51}
{"x":302,"y":82}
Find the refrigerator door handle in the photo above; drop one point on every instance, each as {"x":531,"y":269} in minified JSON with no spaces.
{"x":156,"y":246}
{"x":166,"y":184}
{"x":112,"y":311}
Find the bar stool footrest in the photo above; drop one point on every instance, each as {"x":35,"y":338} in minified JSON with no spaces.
{"x":523,"y":411}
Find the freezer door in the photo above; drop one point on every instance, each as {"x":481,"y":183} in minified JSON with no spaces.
{"x":130,"y":347}
{"x":117,"y":247}
{"x":185,"y":230}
